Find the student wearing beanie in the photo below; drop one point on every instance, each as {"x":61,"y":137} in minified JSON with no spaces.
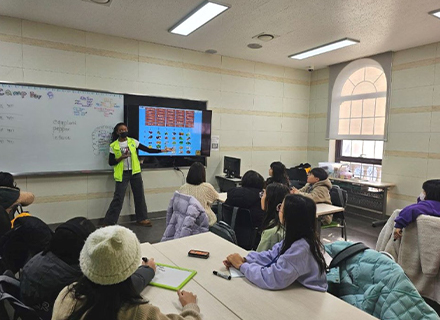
{"x":108,"y":259}
{"x":48,"y":272}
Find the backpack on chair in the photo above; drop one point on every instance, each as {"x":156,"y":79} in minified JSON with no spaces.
{"x":338,"y":196}
{"x":28,"y":236}
{"x":222,"y":229}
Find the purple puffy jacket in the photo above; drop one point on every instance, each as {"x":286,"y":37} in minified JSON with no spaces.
{"x":185,"y":217}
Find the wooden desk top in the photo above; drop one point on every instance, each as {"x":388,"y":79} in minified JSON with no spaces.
{"x":167,"y":300}
{"x":242,"y":297}
{"x":373,"y":184}
{"x":222,"y":196}
{"x":323,"y":209}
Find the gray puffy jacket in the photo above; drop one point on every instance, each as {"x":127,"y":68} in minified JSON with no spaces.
{"x":185,"y":217}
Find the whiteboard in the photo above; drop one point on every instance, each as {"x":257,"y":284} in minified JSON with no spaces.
{"x":47,"y":129}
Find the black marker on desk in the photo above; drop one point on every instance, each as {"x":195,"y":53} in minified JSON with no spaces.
{"x":221,"y":275}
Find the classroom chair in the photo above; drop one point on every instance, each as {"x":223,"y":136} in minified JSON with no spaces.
{"x":417,"y":252}
{"x":240,"y":221}
{"x":10,"y":305}
{"x":374,"y":283}
{"x":339,"y":198}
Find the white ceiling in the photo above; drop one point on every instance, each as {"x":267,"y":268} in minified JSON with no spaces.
{"x":380,"y":25}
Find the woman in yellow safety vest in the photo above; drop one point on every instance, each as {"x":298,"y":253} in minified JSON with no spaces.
{"x":127,"y":169}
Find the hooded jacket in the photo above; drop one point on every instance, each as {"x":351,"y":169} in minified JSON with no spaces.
{"x":376,"y":284}
{"x":410,"y":213}
{"x":43,"y":277}
{"x":320,"y":193}
{"x":185,"y":217}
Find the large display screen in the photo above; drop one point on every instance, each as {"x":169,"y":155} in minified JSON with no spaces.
{"x":161,"y":128}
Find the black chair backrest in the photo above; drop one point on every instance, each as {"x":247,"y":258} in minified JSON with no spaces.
{"x":338,"y":196}
{"x":5,"y":222}
{"x":241,"y":221}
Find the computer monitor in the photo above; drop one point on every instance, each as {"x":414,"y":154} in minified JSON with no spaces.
{"x":231,"y":166}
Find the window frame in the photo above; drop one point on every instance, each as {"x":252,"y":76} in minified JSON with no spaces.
{"x":339,"y":157}
{"x":338,"y":75}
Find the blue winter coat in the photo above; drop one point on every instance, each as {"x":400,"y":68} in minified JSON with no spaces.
{"x":376,"y":284}
{"x":185,"y":217}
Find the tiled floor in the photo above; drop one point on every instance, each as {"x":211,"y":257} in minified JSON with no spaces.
{"x":359,"y":229}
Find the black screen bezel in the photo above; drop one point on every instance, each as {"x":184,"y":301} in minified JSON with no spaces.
{"x":131,"y":117}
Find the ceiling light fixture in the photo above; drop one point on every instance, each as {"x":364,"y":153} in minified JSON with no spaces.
{"x":201,"y":15}
{"x":254,"y":46}
{"x":435,"y":13}
{"x":324,"y":48}
{"x":265,"y":37}
{"x":103,"y":2}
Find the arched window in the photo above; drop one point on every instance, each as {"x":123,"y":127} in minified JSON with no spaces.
{"x":359,"y":102}
{"x":358,"y":117}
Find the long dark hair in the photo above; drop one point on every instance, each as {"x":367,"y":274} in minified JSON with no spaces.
{"x":275,"y":193}
{"x":196,"y":174}
{"x":115,"y":134}
{"x":300,"y":223}
{"x":103,"y":302}
{"x":279,"y":173}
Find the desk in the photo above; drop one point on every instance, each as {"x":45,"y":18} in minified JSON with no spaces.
{"x":222,"y":196}
{"x":227,"y":183}
{"x":323,"y":209}
{"x":361,"y":198}
{"x":167,"y":300}
{"x":243,"y":298}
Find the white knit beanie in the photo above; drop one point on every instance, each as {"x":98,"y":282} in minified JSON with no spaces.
{"x":110,"y":255}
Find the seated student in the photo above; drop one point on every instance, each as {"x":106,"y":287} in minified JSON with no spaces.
{"x":47,"y":273}
{"x":203,"y":191}
{"x":272,"y":229}
{"x":428,"y":203}
{"x":248,"y":196}
{"x":278,"y":173}
{"x":108,"y":259}
{"x":317,"y":188}
{"x":298,"y":257}
{"x":10,"y":194}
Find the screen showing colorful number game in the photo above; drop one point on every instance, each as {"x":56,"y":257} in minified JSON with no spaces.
{"x":161,"y":128}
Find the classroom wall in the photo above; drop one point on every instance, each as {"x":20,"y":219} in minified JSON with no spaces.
{"x":412,"y":152}
{"x":260,"y":111}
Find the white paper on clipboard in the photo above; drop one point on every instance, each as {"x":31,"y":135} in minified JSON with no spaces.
{"x":235,"y":273}
{"x":170,"y":277}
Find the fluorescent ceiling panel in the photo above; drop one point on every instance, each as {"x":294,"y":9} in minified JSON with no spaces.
{"x":202,"y":15}
{"x":325,"y":48}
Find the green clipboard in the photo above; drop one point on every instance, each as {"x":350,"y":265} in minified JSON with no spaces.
{"x":171,"y":277}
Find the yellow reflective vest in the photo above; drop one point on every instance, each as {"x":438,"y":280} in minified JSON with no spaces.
{"x":118,"y":169}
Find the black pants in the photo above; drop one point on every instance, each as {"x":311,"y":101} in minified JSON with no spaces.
{"x":140,"y":206}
